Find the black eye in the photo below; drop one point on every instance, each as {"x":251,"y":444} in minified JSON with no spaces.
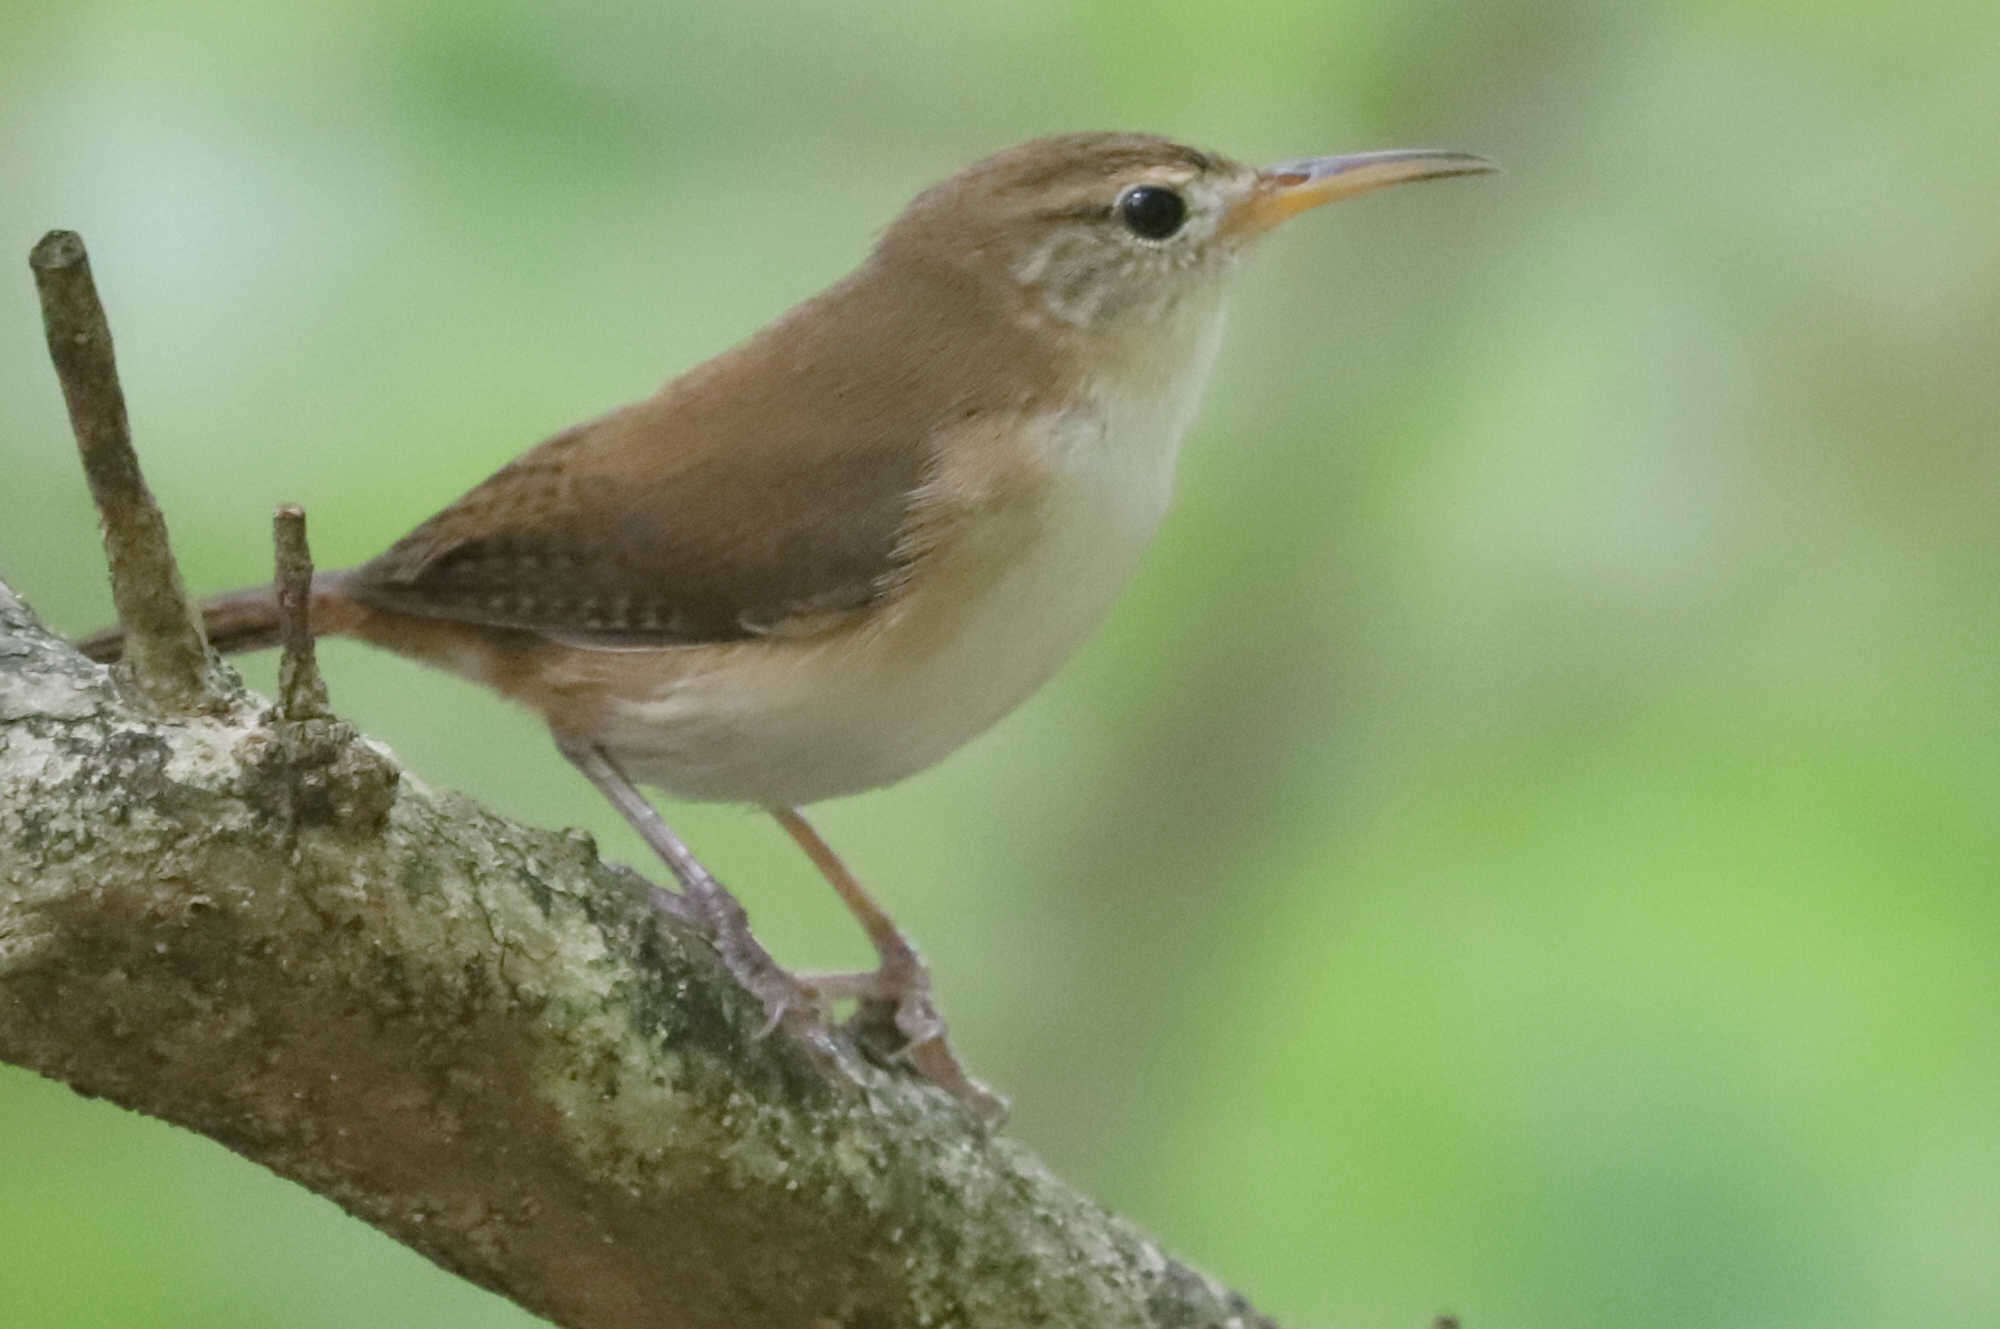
{"x":1151,"y":212}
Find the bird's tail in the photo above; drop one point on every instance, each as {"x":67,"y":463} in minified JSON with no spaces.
{"x":245,"y":620}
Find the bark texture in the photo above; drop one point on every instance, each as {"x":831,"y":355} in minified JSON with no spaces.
{"x":485,"y":1041}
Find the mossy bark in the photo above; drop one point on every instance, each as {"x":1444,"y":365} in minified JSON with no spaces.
{"x":485,"y":1041}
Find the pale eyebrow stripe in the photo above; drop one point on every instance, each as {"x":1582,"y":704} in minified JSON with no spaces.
{"x":1078,"y":212}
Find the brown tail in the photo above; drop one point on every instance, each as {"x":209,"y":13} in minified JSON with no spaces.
{"x":245,"y":620}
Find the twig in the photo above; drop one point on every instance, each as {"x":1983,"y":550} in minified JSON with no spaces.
{"x":301,"y":690}
{"x":166,"y":655}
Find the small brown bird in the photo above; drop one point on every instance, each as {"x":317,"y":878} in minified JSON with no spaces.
{"x":826,"y":558}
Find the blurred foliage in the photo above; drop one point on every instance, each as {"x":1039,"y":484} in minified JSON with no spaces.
{"x":1527,"y":843}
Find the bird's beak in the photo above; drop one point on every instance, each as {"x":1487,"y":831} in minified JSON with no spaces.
{"x":1289,"y":188}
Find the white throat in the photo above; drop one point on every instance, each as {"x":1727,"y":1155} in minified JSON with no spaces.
{"x":1139,"y":410}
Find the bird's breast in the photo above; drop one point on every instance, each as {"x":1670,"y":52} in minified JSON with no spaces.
{"x":1053,"y":516}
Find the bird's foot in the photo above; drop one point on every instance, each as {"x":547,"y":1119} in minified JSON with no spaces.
{"x":897,"y":1021}
{"x":704,"y":904}
{"x":721,"y":918}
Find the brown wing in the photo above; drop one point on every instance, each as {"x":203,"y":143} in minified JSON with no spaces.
{"x":631,"y":530}
{"x":740,"y":497}
{"x":770,"y":487}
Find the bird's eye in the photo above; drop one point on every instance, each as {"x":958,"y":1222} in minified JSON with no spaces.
{"x":1151,"y":212}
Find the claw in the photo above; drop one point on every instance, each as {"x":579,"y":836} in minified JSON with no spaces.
{"x":898,"y":1024}
{"x":675,"y":905}
{"x":936,"y":1062}
{"x":918,"y":1021}
{"x":752,"y":966}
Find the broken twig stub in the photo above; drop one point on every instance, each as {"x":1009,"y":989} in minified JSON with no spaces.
{"x":301,"y":690}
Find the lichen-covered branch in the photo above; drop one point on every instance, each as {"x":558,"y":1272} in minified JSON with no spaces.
{"x":484,"y":1041}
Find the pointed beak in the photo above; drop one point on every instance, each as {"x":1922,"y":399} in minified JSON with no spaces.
{"x":1289,"y":188}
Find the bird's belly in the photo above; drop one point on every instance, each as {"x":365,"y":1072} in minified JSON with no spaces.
{"x":792,"y":722}
{"x":986,"y":619}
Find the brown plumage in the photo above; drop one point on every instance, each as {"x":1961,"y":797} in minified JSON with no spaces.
{"x":780,"y":479}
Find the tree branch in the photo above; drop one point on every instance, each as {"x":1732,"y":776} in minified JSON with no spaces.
{"x":487,"y":1043}
{"x":475,"y":1036}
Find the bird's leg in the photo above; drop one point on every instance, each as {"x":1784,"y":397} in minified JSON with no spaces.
{"x":703,"y":900}
{"x":895,"y":998}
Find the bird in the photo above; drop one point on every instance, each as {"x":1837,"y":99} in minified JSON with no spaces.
{"x":825,"y":559}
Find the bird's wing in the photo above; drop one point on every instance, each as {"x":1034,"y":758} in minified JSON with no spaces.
{"x":676,"y":520}
{"x":780,"y":487}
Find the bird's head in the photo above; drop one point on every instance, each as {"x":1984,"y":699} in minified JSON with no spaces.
{"x":1096,"y":231}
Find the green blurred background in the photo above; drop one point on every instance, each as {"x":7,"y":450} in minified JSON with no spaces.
{"x":1526,"y":845}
